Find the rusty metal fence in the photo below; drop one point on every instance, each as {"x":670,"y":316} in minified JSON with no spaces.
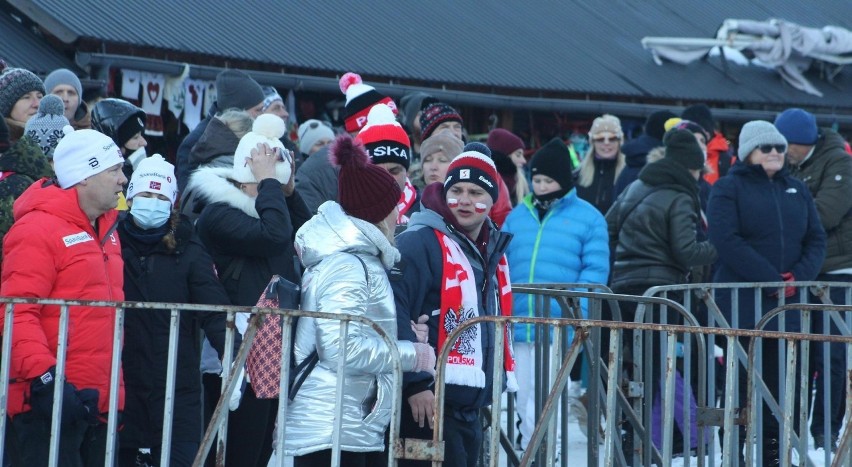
{"x":217,"y":428}
{"x":666,"y":333}
{"x":623,"y":388}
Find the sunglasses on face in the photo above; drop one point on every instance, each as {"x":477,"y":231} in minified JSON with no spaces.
{"x":767,"y":148}
{"x":607,"y":139}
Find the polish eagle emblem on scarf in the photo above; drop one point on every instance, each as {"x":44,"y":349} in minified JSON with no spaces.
{"x":464,"y":345}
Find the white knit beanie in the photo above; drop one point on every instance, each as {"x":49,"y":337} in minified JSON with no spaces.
{"x":267,"y":129}
{"x":83,"y":153}
{"x":154,"y":174}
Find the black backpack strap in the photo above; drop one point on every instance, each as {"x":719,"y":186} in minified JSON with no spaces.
{"x":300,"y":372}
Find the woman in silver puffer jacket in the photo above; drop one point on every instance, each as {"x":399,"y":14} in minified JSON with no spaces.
{"x":346,"y":249}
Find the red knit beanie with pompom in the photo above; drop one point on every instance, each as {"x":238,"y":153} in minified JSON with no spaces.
{"x":364,"y":190}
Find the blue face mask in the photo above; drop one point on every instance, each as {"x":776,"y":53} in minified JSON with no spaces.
{"x":150,"y":213}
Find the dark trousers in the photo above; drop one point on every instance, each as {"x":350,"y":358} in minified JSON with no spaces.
{"x":836,"y":365}
{"x":182,"y":454}
{"x":250,"y":431}
{"x":773,"y":364}
{"x":80,"y":445}
{"x":353,"y":459}
{"x":462,"y":438}
{"x":652,"y":357}
{"x":249,"y":427}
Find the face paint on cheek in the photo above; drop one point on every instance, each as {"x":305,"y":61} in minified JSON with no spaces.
{"x":480,"y":207}
{"x":452,"y":203}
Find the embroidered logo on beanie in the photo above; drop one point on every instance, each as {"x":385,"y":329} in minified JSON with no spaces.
{"x":360,"y":98}
{"x":154,"y":174}
{"x":46,"y":127}
{"x":473,"y":167}
{"x":384,"y":138}
{"x":83,"y":153}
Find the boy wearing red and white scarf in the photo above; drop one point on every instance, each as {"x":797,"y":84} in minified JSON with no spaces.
{"x":453,"y":268}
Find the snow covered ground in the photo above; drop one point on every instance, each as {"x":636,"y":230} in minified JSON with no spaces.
{"x":578,"y":452}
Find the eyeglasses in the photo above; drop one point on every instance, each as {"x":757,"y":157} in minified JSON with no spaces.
{"x":767,"y":148}
{"x":607,"y":139}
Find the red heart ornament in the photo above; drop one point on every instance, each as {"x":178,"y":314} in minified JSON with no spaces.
{"x":153,"y":91}
{"x":194,"y":93}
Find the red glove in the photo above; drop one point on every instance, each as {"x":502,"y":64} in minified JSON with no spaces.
{"x":789,"y":291}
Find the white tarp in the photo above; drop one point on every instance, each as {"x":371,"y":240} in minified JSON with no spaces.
{"x":787,"y":47}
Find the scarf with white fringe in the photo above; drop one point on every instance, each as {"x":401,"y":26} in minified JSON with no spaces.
{"x":458,"y":304}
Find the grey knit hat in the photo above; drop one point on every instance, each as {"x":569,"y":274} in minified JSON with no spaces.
{"x":756,"y":133}
{"x":46,"y":127}
{"x":14,"y":84}
{"x":64,"y":76}
{"x":235,"y":89}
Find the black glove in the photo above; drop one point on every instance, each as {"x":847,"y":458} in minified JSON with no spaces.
{"x":77,"y":405}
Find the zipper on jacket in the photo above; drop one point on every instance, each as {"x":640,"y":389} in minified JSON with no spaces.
{"x":533,"y":259}
{"x":775,"y":188}
{"x":107,"y":234}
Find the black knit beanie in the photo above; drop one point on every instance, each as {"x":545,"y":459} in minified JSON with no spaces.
{"x":683,"y":148}
{"x":554,"y":160}
{"x":700,"y":114}
{"x":655,"y":123}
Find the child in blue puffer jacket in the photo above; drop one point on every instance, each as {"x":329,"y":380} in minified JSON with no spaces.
{"x":559,"y":238}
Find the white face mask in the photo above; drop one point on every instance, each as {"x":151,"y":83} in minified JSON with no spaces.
{"x":150,"y":213}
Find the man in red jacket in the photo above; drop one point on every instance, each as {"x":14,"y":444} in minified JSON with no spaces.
{"x":63,"y":245}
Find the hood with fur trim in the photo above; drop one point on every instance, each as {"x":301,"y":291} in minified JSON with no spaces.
{"x":212,"y":185}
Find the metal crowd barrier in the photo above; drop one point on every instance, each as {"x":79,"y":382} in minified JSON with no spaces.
{"x":621,"y":401}
{"x":625,"y":401}
{"x":816,"y":299}
{"x":218,"y":425}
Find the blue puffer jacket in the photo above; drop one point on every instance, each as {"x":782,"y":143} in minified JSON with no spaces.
{"x":569,"y":245}
{"x":762,"y":228}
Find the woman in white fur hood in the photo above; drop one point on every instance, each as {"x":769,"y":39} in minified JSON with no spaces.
{"x":248,"y":223}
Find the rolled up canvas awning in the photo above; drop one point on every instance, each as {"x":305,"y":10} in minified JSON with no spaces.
{"x":787,"y":47}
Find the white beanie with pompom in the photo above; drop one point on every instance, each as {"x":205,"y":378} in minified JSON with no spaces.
{"x":267,"y":129}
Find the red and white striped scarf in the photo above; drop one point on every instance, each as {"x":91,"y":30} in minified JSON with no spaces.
{"x":458,"y":304}
{"x":406,"y":200}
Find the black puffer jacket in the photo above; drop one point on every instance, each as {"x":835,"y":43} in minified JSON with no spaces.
{"x":652,"y":229}
{"x":156,"y":273}
{"x":601,"y":192}
{"x":250,"y":239}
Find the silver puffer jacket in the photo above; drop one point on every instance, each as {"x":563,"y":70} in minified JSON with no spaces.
{"x":335,"y":282}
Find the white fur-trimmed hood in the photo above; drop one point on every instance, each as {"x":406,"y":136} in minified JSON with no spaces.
{"x":211,"y":185}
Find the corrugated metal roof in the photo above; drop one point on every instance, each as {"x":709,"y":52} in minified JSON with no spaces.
{"x":22,"y":48}
{"x":590,"y":47}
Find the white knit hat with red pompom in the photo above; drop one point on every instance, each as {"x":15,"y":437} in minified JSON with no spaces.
{"x":267,"y":129}
{"x":360,"y":98}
